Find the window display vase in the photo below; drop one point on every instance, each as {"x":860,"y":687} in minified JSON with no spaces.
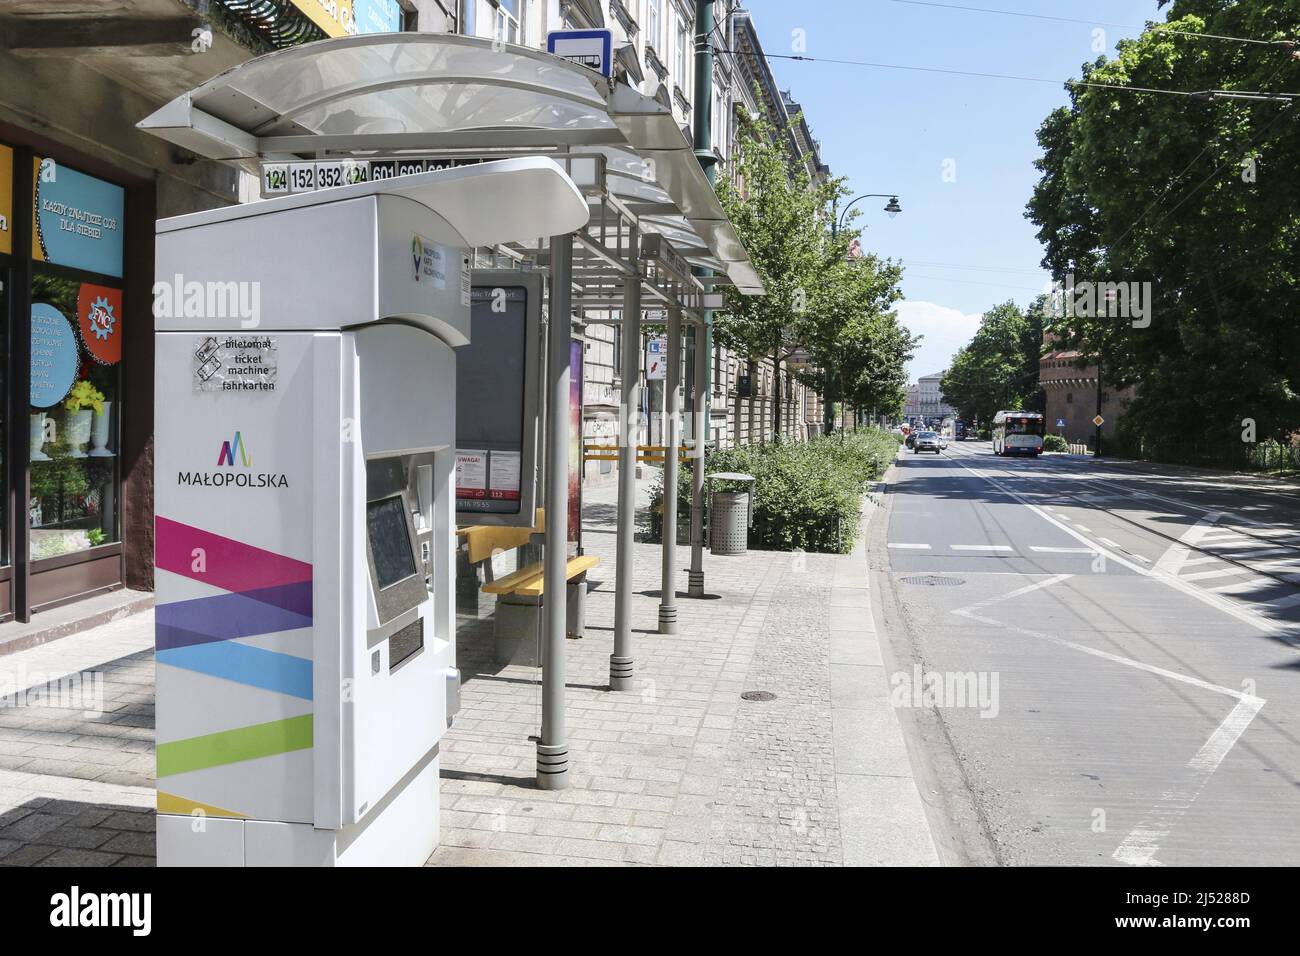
{"x":78,"y":432}
{"x":99,"y":433}
{"x":38,"y":437}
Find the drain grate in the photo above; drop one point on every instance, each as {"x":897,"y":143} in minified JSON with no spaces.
{"x":761,"y":695}
{"x":934,"y":581}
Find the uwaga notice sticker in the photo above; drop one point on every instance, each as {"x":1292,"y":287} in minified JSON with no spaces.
{"x":235,"y":363}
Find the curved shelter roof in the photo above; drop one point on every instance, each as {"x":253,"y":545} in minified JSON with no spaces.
{"x":414,"y":93}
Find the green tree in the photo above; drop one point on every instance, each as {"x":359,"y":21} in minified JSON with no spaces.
{"x":818,"y":300}
{"x":1197,"y":196}
{"x":998,"y":369}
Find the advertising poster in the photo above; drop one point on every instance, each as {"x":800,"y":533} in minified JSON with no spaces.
{"x":54,"y":355}
{"x":76,"y":219}
{"x":344,"y":18}
{"x":575,"y":448}
{"x":99,"y":314}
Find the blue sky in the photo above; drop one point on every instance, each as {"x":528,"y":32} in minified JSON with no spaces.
{"x":966,"y":243}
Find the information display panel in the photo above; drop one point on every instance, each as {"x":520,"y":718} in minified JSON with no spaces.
{"x":497,"y":401}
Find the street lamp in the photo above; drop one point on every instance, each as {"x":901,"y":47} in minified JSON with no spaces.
{"x":837,"y":222}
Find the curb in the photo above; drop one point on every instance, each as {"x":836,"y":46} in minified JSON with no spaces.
{"x":121,"y":603}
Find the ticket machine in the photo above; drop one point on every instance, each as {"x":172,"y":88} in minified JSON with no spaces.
{"x":305,"y":494}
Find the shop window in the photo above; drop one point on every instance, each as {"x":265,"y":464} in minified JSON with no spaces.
{"x":75,"y":407}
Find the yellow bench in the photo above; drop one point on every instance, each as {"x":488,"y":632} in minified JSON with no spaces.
{"x":485,"y":540}
{"x":530,"y":581}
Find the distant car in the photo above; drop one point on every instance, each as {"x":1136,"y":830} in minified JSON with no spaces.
{"x":927,"y":441}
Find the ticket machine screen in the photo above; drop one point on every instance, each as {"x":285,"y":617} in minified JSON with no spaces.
{"x":390,"y":542}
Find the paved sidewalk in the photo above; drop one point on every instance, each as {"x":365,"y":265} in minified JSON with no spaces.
{"x":76,"y":755}
{"x":683,"y":771}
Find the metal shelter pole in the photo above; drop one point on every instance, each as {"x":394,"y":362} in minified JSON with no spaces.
{"x":621,"y":662}
{"x":552,"y":747}
{"x":672,"y":423}
{"x":695,"y":579}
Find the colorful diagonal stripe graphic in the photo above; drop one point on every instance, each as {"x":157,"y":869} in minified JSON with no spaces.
{"x":233,"y":746}
{"x":254,"y":666}
{"x":226,"y":563}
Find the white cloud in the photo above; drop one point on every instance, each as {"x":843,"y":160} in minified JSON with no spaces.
{"x":945,"y":330}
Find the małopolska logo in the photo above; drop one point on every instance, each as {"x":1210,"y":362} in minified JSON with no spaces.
{"x":227,"y":455}
{"x":226,"y":459}
{"x":417,"y":253}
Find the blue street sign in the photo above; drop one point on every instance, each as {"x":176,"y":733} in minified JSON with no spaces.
{"x":590,"y":48}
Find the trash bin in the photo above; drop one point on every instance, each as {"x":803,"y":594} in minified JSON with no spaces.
{"x":730,"y":516}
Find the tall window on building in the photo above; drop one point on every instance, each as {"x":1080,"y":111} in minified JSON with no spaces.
{"x":652,"y":22}
{"x":683,"y":43}
{"x":507,"y":20}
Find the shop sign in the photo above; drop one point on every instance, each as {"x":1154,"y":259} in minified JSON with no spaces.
{"x":345,"y":18}
{"x":77,"y":219}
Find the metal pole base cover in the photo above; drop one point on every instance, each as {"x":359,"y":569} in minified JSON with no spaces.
{"x":552,"y":766}
{"x":667,"y":619}
{"x":620,"y":673}
{"x":695,"y":584}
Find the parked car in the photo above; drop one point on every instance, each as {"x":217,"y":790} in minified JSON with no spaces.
{"x":928,"y":441}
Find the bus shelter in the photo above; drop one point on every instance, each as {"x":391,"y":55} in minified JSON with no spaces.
{"x":656,"y":239}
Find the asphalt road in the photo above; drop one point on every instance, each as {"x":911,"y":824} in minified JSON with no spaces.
{"x":1112,"y":651}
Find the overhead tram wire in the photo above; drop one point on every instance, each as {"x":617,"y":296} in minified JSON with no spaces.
{"x":1163,"y":27}
{"x":1207,"y":95}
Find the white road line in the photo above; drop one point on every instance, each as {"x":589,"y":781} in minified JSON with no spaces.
{"x":1190,"y":562}
{"x":1084,"y":528}
{"x":1089,"y":551}
{"x":1139,"y":848}
{"x":982,"y":547}
{"x":1216,"y":573}
{"x":914,"y":547}
{"x":1109,"y":543}
{"x":1284,"y":631}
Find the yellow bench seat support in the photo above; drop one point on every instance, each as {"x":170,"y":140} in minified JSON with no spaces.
{"x":530,"y":581}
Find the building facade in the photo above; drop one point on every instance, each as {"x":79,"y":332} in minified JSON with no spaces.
{"x":1072,"y":396}
{"x":80,"y":190}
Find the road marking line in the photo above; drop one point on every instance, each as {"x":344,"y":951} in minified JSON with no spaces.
{"x":918,"y":547}
{"x":1110,"y":544}
{"x":1063,"y":550}
{"x":1143,"y":841}
{"x":989,"y":602}
{"x":1206,"y":560}
{"x":1084,"y":528}
{"x":1291,"y":600}
{"x":1217,"y":573}
{"x":1226,"y":605}
{"x":982,"y":547}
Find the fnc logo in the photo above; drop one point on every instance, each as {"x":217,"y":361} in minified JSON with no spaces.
{"x":228,"y":449}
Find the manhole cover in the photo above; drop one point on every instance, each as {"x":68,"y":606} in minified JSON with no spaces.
{"x":758,"y":695}
{"x":933,"y":581}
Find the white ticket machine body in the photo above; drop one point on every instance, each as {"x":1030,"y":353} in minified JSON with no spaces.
{"x":304,"y":472}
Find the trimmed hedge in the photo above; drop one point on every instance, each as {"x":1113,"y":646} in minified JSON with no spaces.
{"x":807,"y":495}
{"x":1055,"y":443}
